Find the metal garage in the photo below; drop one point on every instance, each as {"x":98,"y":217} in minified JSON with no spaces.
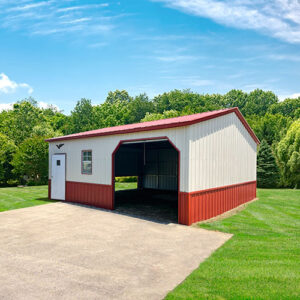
{"x":205,"y":162}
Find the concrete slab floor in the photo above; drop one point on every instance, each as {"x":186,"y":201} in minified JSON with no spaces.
{"x":67,"y":251}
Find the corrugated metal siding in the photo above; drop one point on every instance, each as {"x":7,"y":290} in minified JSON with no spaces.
{"x":150,"y":181}
{"x":207,"y":204}
{"x":161,"y":169}
{"x":167,"y":182}
{"x":183,"y":208}
{"x":213,"y":154}
{"x":98,"y":195}
{"x":222,"y":152}
{"x":103,"y":147}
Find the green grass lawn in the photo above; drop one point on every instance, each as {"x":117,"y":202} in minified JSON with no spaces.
{"x":15,"y":197}
{"x":120,"y":186}
{"x":12,"y":198}
{"x":261,"y":260}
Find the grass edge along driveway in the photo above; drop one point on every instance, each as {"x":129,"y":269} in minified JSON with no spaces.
{"x":20,"y":197}
{"x":17,"y":197}
{"x":261,"y":260}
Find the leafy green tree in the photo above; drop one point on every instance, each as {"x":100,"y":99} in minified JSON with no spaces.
{"x":45,"y":130}
{"x":138,"y":107}
{"x":31,"y":159}
{"x":18,"y":123}
{"x":288,"y":108}
{"x":271,"y":128}
{"x":267,"y":169}
{"x":60,"y":122}
{"x":165,"y":115}
{"x":258,"y":102}
{"x":118,"y":96}
{"x":235,"y":98}
{"x":82,"y":117}
{"x":111,"y":114}
{"x":7,"y":150}
{"x":288,"y":153}
{"x":186,"y":101}
{"x":269,"y":118}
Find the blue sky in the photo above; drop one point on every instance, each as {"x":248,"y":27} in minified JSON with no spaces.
{"x":59,"y":51}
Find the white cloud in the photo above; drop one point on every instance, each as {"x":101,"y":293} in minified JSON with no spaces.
{"x":56,"y":17}
{"x":6,"y":106}
{"x":29,"y":6}
{"x":9,"y":86}
{"x":294,"y":96}
{"x":80,"y":20}
{"x":291,"y":96}
{"x":278,"y":18}
{"x":44,"y":105}
{"x":81,"y":7}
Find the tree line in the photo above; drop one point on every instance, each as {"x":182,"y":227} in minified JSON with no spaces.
{"x":23,"y":129}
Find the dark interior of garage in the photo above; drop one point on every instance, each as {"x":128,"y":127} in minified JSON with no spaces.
{"x":155,"y":163}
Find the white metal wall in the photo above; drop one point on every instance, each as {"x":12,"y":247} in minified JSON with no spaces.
{"x":103,"y":147}
{"x":222,"y":152}
{"x":213,"y":153}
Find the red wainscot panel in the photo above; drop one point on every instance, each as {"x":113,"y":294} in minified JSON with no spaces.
{"x":183,"y":208}
{"x":202,"y":205}
{"x":99,"y":195}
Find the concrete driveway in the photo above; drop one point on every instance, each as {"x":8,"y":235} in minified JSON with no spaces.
{"x":66,"y":251}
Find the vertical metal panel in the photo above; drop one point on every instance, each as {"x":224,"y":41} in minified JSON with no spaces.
{"x":150,"y":181}
{"x":98,"y":195}
{"x":183,"y":208}
{"x":206,"y":204}
{"x":221,"y":153}
{"x":160,"y":170}
{"x":103,"y":147}
{"x":215,"y":153}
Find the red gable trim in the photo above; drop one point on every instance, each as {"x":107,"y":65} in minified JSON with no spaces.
{"x":159,"y":124}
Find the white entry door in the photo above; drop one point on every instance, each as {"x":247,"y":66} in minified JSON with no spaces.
{"x":58,"y":177}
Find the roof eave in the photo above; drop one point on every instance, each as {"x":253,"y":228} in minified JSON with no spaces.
{"x":161,"y":126}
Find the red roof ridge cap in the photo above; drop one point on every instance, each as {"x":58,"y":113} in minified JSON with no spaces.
{"x":158,"y":124}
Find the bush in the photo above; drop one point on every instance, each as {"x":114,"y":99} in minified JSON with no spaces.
{"x":36,"y":183}
{"x":13,"y":182}
{"x":126,"y":179}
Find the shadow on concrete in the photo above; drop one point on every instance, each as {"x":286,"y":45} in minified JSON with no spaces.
{"x":151,"y":205}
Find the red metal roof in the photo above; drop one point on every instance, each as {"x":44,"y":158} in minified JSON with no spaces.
{"x":158,"y":124}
